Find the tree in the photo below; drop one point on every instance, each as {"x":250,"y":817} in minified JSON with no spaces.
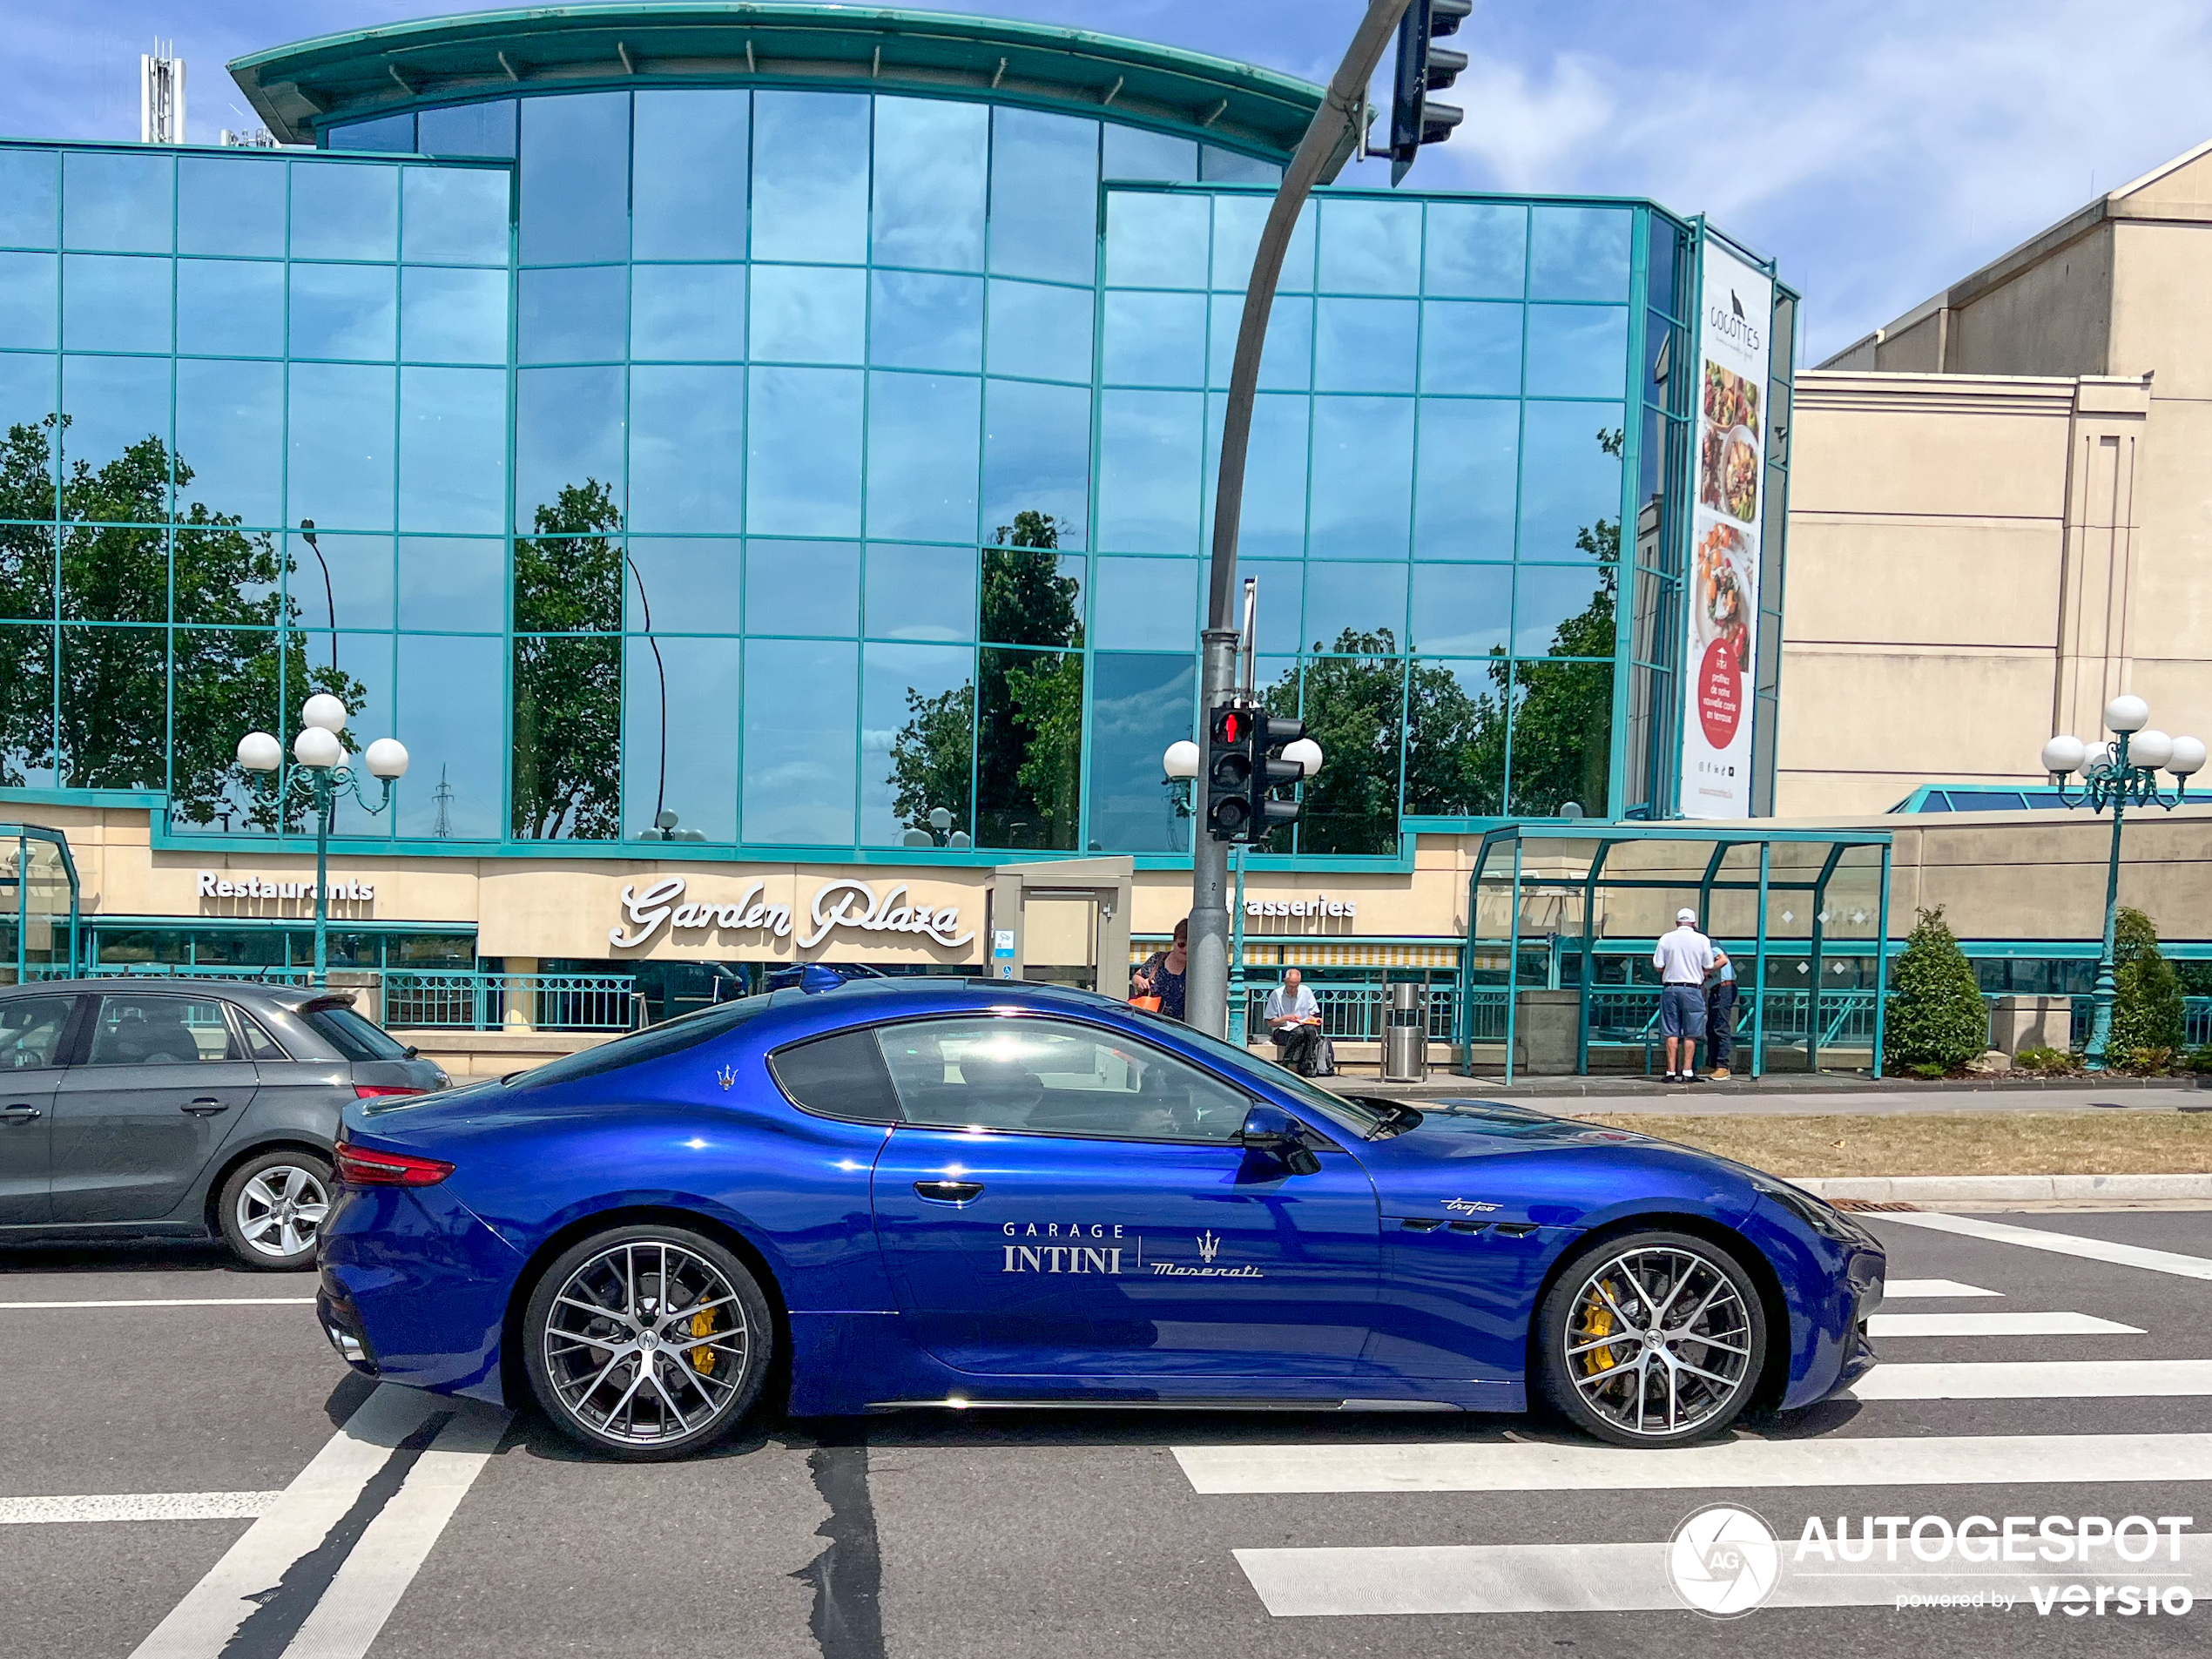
{"x":1028,"y":744}
{"x":1354,"y":708}
{"x":2147,"y":1014}
{"x":932,"y":756}
{"x":1936,"y":1020}
{"x":568,"y":678}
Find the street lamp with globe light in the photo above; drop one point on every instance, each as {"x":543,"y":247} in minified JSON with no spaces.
{"x":2117,"y":775}
{"x":322,"y":765}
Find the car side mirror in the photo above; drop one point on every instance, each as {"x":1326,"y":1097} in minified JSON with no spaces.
{"x":1271,"y":1130}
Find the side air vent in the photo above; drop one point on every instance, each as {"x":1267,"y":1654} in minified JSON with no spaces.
{"x":1469,"y":1226}
{"x":1421,"y":1224}
{"x":1516,"y":1229}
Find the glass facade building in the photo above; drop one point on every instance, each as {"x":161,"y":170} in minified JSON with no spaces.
{"x":761,"y":464}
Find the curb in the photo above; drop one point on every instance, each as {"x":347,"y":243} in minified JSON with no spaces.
{"x":1967,"y":1189}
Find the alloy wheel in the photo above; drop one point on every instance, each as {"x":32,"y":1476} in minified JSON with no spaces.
{"x":279,"y":1211}
{"x":646,"y":1342}
{"x":1658,"y":1340}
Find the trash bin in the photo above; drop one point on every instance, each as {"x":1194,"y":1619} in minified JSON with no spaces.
{"x":1405,"y":1034}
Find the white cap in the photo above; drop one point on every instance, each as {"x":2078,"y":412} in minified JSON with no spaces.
{"x":1686,"y":915}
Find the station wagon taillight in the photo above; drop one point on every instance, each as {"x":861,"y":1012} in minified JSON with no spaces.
{"x":359,"y":1167}
{"x":378,"y":1091}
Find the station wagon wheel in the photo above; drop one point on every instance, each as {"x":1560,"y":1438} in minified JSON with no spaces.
{"x":1651,"y":1339}
{"x":271,"y":1207}
{"x":647,"y":1342}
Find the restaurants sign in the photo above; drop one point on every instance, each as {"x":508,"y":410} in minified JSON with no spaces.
{"x":843,"y":903}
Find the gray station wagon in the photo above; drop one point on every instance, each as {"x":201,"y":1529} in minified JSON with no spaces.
{"x":183,"y":1107}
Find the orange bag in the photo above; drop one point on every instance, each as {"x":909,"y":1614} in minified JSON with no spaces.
{"x":1149,"y":1004}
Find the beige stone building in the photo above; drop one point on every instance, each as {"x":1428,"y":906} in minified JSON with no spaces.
{"x":2000,"y":511}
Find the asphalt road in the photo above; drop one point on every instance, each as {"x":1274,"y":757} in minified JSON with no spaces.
{"x":391,"y":1530}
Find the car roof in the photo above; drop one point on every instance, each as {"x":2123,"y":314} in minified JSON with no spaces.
{"x":291,"y":999}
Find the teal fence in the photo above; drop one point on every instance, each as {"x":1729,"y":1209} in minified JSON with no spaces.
{"x":441,"y":999}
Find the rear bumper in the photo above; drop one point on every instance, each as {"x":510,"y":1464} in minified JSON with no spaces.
{"x":420,"y":1284}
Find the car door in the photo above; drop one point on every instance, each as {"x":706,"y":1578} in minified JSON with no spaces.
{"x":32,"y":1049}
{"x":163,"y":1082}
{"x":1062,"y":1200}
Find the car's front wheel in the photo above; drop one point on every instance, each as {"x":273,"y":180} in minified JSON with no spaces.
{"x":1651,"y":1339}
{"x":647,"y":1342}
{"x":272,"y":1208}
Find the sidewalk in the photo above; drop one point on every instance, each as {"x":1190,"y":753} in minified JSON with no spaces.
{"x":1796,"y":1094}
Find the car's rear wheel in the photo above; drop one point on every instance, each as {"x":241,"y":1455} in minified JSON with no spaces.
{"x":647,"y":1342}
{"x":1651,"y":1339}
{"x":271,"y":1207}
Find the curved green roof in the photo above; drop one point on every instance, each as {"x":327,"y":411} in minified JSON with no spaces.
{"x":301,"y":89}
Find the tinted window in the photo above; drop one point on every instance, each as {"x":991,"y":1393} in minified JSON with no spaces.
{"x":259,"y":1045}
{"x":31,"y":1030}
{"x":1045,"y":1077}
{"x":352,"y":1036}
{"x":154,"y":1030}
{"x":653,"y":1044}
{"x":838,"y":1077}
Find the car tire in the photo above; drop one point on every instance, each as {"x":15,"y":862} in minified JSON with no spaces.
{"x":588,"y":1370}
{"x":271,"y":1209}
{"x":1680,"y":1376}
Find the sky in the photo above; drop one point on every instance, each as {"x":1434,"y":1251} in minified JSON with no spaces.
{"x":1880,"y":149}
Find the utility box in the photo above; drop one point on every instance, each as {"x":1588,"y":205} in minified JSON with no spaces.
{"x":1406,"y":1034}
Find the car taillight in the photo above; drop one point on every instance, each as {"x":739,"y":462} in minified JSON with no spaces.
{"x":378,"y":1091}
{"x":359,"y":1167}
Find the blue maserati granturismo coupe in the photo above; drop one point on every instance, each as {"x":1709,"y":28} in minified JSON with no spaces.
{"x":897,"y":1194}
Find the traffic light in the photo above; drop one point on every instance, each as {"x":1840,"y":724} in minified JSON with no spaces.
{"x":1229,"y":771}
{"x":1415,"y":119}
{"x":1270,"y":771}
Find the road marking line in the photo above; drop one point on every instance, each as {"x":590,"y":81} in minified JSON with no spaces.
{"x":182,"y":1302}
{"x":1963,"y":1460}
{"x":1906,"y":1290}
{"x":2095,"y":1250}
{"x":2038,"y":1380}
{"x":135,"y":1506}
{"x":1996,"y":1324}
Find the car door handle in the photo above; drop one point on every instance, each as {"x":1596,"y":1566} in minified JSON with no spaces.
{"x":207,"y":1106}
{"x":948,"y":1191}
{"x":20,"y":1113}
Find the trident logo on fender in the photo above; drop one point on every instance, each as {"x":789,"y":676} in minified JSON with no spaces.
{"x":1208,"y":1246}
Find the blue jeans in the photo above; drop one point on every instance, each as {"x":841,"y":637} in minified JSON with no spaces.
{"x":1682,"y":1011}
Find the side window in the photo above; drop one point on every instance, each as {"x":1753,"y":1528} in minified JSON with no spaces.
{"x":31,"y":1031}
{"x":152,"y":1029}
{"x":1014,"y":1073}
{"x":259,"y":1045}
{"x":838,"y":1077}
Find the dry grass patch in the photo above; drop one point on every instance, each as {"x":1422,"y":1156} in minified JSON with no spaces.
{"x":1947,"y":1142}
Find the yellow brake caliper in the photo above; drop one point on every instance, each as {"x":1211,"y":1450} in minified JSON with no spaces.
{"x":1598,"y":1323}
{"x":701,"y":1325}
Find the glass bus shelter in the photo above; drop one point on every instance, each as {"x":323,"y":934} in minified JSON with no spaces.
{"x":38,"y":905}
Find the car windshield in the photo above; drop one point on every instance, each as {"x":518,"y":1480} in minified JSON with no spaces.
{"x":686,"y":1031}
{"x":352,"y":1036}
{"x":1351,"y":1115}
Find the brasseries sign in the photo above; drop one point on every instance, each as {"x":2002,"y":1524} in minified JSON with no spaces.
{"x":845,"y":903}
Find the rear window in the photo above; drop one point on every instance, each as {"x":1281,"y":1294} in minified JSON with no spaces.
{"x":841,"y":1075}
{"x":352,"y":1036}
{"x":686,"y":1031}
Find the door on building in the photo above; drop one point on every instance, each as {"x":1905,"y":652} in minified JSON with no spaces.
{"x":1059,"y":936}
{"x":33,"y":1031}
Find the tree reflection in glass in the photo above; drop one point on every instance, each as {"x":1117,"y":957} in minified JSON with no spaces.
{"x":1028,"y":751}
{"x":568,"y":669}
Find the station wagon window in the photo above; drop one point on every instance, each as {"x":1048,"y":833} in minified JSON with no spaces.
{"x":31,"y":1030}
{"x":352,"y":1036}
{"x":1047,"y":1077}
{"x":156,"y":1030}
{"x":258,"y":1043}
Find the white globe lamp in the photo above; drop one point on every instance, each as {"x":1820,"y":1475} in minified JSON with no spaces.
{"x":386,"y":758}
{"x":258,"y":752}
{"x":2127,"y":713}
{"x":1181,"y":760}
{"x":1306,"y":752}
{"x":324,"y":711}
{"x":318,"y":746}
{"x":2062,"y":755}
{"x":2150,"y":747}
{"x":2188,"y":758}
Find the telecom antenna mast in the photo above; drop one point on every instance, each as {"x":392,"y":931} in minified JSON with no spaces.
{"x":161,"y":95}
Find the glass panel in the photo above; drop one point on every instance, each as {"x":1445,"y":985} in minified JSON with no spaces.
{"x":688,"y":185}
{"x":805,"y":314}
{"x":224,"y":682}
{"x":1364,"y":345}
{"x":231,"y":307}
{"x":1353,"y":607}
{"x":1217,"y":166}
{"x":1044,"y":195}
{"x":453,"y":316}
{"x":342,"y":425}
{"x":1468,"y":453}
{"x":917,"y":742}
{"x":1237,"y":221}
{"x":1141,"y":604}
{"x":1155,"y":241}
{"x":27,"y":300}
{"x":486,"y":129}
{"x":1286,"y":355}
{"x":114,"y":708}
{"x":452,"y":586}
{"x":1462,"y":609}
{"x":357,"y":670}
{"x":1154,"y":340}
{"x":226,"y":576}
{"x":1150,"y":455}
{"x":230,"y":206}
{"x":26,"y":707}
{"x":1032,"y":595}
{"x":568,"y":732}
{"x":1028,"y":760}
{"x":230,"y":440}
{"x":803,"y":452}
{"x":1131,"y":152}
{"x":29,"y":398}
{"x":1471,"y":349}
{"x":1563,"y":610}
{"x":1036,"y":461}
{"x":1363,"y":477}
{"x":1570,"y":479}
{"x":1281,"y":584}
{"x":575,"y":177}
{"x":1475,"y":251}
{"x":923,"y":430}
{"x":810,"y":178}
{"x":339,"y":582}
{"x":457,"y":775}
{"x":344,"y":211}
{"x":920,"y":592}
{"x":568,"y":437}
{"x":117,"y":202}
{"x":687,"y":448}
{"x":683,"y":586}
{"x":1562,"y":736}
{"x":388,"y":134}
{"x":453,"y":449}
{"x":919,"y":321}
{"x":1579,"y":253}
{"x":573,"y":315}
{"x":569,"y":580}
{"x":1663,"y":240}
{"x":1354,"y":708}
{"x":1140,"y":704}
{"x":1370,"y":246}
{"x":690,"y":313}
{"x":1040,"y":331}
{"x":803,"y":588}
{"x":1577,"y":351}
{"x":931,"y":164}
{"x":345,"y":311}
{"x":111,"y":304}
{"x":30,"y":196}
{"x":456,"y":215}
{"x":800,"y":737}
{"x":679,"y":754}
{"x":115,"y":575}
{"x":1455,"y":739}
{"x":117,"y":411}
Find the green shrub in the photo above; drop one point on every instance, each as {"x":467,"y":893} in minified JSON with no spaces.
{"x":2147,"y":1015}
{"x":2049,"y":1061}
{"x":1936,"y":1016}
{"x":2200,"y":1059}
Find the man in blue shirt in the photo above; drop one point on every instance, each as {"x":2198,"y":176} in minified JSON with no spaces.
{"x":1720,"y":1016}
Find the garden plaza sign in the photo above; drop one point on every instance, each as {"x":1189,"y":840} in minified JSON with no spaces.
{"x":842,"y":903}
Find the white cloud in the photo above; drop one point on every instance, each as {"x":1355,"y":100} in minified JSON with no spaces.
{"x":1530,"y":128}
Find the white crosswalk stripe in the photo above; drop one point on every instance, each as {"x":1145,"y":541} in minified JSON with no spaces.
{"x":1909,"y":1290}
{"x":2038,"y":1380}
{"x":2095,"y":1250}
{"x":135,"y":1506}
{"x":1996,"y":1324}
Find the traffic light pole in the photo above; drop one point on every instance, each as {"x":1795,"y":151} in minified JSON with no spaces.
{"x":1206,"y":987}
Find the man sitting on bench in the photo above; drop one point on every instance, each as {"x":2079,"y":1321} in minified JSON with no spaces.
{"x":1293,"y":1021}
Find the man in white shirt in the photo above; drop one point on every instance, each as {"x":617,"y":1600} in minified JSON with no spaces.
{"x":1683,"y":958}
{"x":1293,"y":1021}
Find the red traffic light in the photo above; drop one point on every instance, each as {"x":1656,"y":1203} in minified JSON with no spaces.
{"x":1233,"y":725}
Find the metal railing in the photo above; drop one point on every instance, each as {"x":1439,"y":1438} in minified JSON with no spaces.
{"x":439,"y":999}
{"x":1355,"y":1013}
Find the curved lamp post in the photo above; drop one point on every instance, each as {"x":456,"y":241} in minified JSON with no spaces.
{"x":320,"y":761}
{"x":2117,"y":775}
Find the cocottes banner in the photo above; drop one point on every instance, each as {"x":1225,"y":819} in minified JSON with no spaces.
{"x":844,"y":903}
